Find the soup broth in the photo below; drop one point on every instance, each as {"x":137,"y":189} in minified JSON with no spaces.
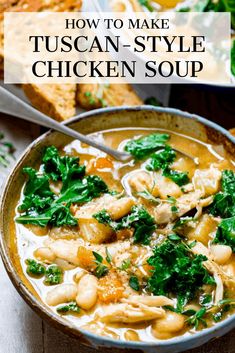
{"x":141,"y":250}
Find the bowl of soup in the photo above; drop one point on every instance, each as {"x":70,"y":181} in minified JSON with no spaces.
{"x":132,"y":255}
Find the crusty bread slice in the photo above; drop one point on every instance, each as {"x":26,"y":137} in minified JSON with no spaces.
{"x":90,"y":96}
{"x":55,"y":100}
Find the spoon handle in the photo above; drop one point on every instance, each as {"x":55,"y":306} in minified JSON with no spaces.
{"x":11,"y":104}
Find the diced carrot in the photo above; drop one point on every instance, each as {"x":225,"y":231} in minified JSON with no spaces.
{"x":86,"y":258}
{"x":110,"y":288}
{"x":103,"y":162}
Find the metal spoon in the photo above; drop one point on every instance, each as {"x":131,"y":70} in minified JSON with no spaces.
{"x":11,"y":104}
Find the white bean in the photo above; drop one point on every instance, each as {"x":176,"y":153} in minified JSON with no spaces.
{"x":87,"y":292}
{"x":44,"y":254}
{"x":170,"y":324}
{"x":221,"y":253}
{"x":61,"y":294}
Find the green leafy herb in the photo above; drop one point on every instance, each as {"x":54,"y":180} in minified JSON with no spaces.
{"x":53,"y":275}
{"x":233,"y":58}
{"x":152,"y":101}
{"x":149,"y":197}
{"x":35,"y":268}
{"x":174,"y":209}
{"x":64,"y":168}
{"x":182,"y":221}
{"x":139,"y":219}
{"x":196,"y":317}
{"x":144,"y":146}
{"x":161,"y":159}
{"x":206,"y":300}
{"x":6,"y":151}
{"x":41,"y":206}
{"x":125,"y":265}
{"x":68,"y":308}
{"x":180,"y":178}
{"x":223,"y":307}
{"x":224,"y":202}
{"x":101,"y":269}
{"x":108,"y":256}
{"x":225,"y":233}
{"x":134,"y":283}
{"x":146,"y":4}
{"x":178,"y":271}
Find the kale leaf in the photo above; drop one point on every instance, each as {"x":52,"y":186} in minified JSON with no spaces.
{"x":64,"y":168}
{"x":180,"y":178}
{"x":225,"y":233}
{"x":139,"y":219}
{"x":101,"y":269}
{"x":84,"y":190}
{"x":144,"y":146}
{"x":178,"y":271}
{"x":40,"y":206}
{"x":224,"y":201}
{"x":161,"y":159}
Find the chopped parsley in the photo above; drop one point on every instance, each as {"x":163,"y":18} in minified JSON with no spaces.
{"x":134,"y":283}
{"x":35,"y":268}
{"x":68,"y":308}
{"x":53,"y":275}
{"x":176,"y":270}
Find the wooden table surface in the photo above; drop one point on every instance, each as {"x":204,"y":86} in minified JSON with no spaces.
{"x":21,"y":330}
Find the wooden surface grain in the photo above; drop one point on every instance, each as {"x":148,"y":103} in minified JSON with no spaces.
{"x":21,"y":330}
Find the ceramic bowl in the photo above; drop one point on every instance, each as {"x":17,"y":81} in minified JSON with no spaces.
{"x":108,"y":118}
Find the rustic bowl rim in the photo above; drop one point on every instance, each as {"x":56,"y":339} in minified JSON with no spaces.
{"x":46,"y":313}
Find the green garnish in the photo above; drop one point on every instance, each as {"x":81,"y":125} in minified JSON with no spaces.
{"x":134,"y":283}
{"x":35,"y":268}
{"x":224,"y":206}
{"x":101,"y":269}
{"x":224,"y":201}
{"x":40,"y":206}
{"x":180,"y":178}
{"x":233,"y":58}
{"x":53,"y":275}
{"x":161,"y":159}
{"x":125,"y":265}
{"x":196,"y":317}
{"x":139,"y":219}
{"x":68,"y":308}
{"x":178,"y":271}
{"x":182,"y":221}
{"x":226,"y":233}
{"x":108,"y":256}
{"x":146,"y":4}
{"x":144,"y":146}
{"x":6,"y":151}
